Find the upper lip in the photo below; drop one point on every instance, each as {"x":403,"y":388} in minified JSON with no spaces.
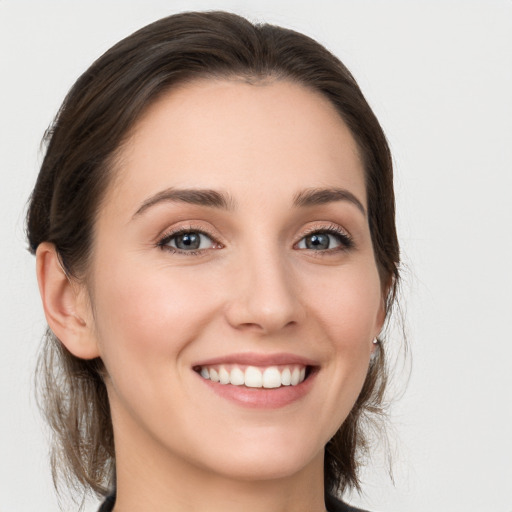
{"x":255,"y":359}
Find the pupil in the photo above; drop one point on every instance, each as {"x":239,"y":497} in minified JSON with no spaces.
{"x":317,"y":241}
{"x":188,"y":241}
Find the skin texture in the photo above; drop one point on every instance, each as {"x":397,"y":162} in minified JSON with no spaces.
{"x":152,"y":313}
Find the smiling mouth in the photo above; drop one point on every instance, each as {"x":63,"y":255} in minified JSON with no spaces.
{"x":268,"y":377}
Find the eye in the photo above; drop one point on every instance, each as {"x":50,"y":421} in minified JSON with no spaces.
{"x":324,"y":240}
{"x":187,"y":241}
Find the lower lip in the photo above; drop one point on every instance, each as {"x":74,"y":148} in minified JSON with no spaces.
{"x":262,"y":398}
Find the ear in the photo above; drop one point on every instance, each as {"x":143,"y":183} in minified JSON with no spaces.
{"x":66,"y":305}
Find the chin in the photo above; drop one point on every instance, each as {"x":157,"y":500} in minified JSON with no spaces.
{"x":263,"y":469}
{"x":263,"y":459}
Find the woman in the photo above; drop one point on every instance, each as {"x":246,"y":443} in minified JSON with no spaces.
{"x":216,"y":252}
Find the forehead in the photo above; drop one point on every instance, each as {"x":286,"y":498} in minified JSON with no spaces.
{"x":252,"y":140}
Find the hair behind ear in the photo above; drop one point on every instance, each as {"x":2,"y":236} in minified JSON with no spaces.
{"x":73,"y":399}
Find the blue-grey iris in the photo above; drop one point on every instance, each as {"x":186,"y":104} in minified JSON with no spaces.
{"x":188,"y":241}
{"x":317,"y":241}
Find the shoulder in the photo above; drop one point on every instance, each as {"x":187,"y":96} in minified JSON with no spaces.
{"x":335,"y":505}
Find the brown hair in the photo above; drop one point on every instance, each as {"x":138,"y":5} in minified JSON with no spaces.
{"x":91,"y":126}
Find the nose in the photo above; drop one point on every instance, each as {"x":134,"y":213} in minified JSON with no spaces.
{"x":264,"y":294}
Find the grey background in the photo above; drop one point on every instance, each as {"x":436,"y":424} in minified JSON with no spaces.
{"x":439,"y":77}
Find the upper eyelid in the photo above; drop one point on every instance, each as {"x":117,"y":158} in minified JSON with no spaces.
{"x":171,"y":232}
{"x":174,"y":234}
{"x":200,"y":229}
{"x":318,"y":226}
{"x":331,"y":228}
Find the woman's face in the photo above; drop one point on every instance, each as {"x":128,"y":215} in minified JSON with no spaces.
{"x":234,"y":244}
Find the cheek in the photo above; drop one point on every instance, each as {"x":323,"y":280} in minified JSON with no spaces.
{"x":347,"y":303}
{"x":346,"y":307}
{"x":149,"y":315}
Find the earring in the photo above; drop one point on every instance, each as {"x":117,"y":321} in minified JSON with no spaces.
{"x":373,"y":355}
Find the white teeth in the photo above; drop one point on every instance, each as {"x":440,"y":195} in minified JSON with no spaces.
{"x":237,"y":377}
{"x":223,"y":375}
{"x":271,"y":378}
{"x":255,"y":377}
{"x":286,"y":377}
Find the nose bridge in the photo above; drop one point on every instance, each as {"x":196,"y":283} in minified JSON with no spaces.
{"x":264,"y":293}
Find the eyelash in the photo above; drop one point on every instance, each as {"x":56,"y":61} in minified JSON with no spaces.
{"x":162,"y":243}
{"x":345,"y":240}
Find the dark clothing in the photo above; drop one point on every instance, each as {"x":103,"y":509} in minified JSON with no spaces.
{"x":335,"y":505}
{"x":108,"y":504}
{"x":332,"y":504}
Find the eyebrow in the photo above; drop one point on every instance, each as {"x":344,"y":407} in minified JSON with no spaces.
{"x":222,"y":200}
{"x":201,"y":197}
{"x":318,"y":196}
